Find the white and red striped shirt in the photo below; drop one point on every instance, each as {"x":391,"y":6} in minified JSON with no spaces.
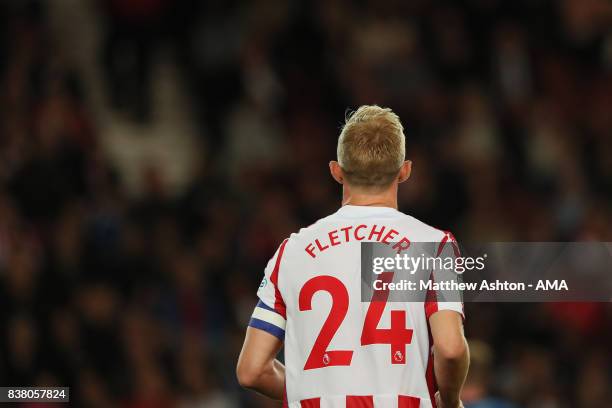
{"x":339,"y":351}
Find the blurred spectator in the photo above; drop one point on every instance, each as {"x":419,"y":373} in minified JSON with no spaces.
{"x":135,"y":30}
{"x":477,"y":388}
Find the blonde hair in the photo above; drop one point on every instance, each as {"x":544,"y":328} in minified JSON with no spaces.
{"x":371,"y":146}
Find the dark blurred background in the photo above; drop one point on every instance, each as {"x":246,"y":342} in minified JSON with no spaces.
{"x":154,"y":153}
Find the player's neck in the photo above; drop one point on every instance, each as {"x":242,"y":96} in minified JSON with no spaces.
{"x":361,"y":197}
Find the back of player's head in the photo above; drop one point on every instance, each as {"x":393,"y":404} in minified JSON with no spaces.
{"x":371,"y":147}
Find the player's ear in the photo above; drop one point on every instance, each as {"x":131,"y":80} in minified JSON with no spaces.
{"x":336,"y":171}
{"x":405,"y":170}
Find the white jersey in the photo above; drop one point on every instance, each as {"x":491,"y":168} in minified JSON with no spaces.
{"x":339,"y":351}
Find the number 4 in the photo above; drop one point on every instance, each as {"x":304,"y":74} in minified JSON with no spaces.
{"x":398,"y":336}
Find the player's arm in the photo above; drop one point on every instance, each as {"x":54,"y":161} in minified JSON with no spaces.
{"x":451,"y":355}
{"x":257,"y":366}
{"x":258,"y":369}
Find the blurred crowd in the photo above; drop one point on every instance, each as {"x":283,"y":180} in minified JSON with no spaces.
{"x":142,"y":300}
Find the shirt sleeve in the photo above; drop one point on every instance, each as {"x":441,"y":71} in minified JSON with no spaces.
{"x":445,"y":300}
{"x":270,"y":313}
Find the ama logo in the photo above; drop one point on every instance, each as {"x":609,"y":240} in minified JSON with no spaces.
{"x":552,"y":285}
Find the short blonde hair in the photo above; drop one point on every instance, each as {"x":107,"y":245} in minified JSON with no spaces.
{"x":371,"y":146}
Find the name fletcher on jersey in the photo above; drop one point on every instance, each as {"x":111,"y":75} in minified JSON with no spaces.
{"x":378,"y":233}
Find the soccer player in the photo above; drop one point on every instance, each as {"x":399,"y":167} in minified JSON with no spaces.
{"x":340,"y":351}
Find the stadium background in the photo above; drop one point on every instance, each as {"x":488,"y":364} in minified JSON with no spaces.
{"x":153,"y":154}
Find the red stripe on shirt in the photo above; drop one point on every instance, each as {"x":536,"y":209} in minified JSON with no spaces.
{"x":441,"y":246}
{"x":311,"y":403}
{"x":431,"y":302}
{"x":359,"y":401}
{"x":453,"y":242}
{"x":430,"y":374}
{"x":279,"y":303}
{"x":429,"y":308}
{"x":404,"y":401}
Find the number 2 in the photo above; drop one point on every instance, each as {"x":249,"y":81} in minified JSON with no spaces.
{"x":319,"y":356}
{"x":398,"y":336}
